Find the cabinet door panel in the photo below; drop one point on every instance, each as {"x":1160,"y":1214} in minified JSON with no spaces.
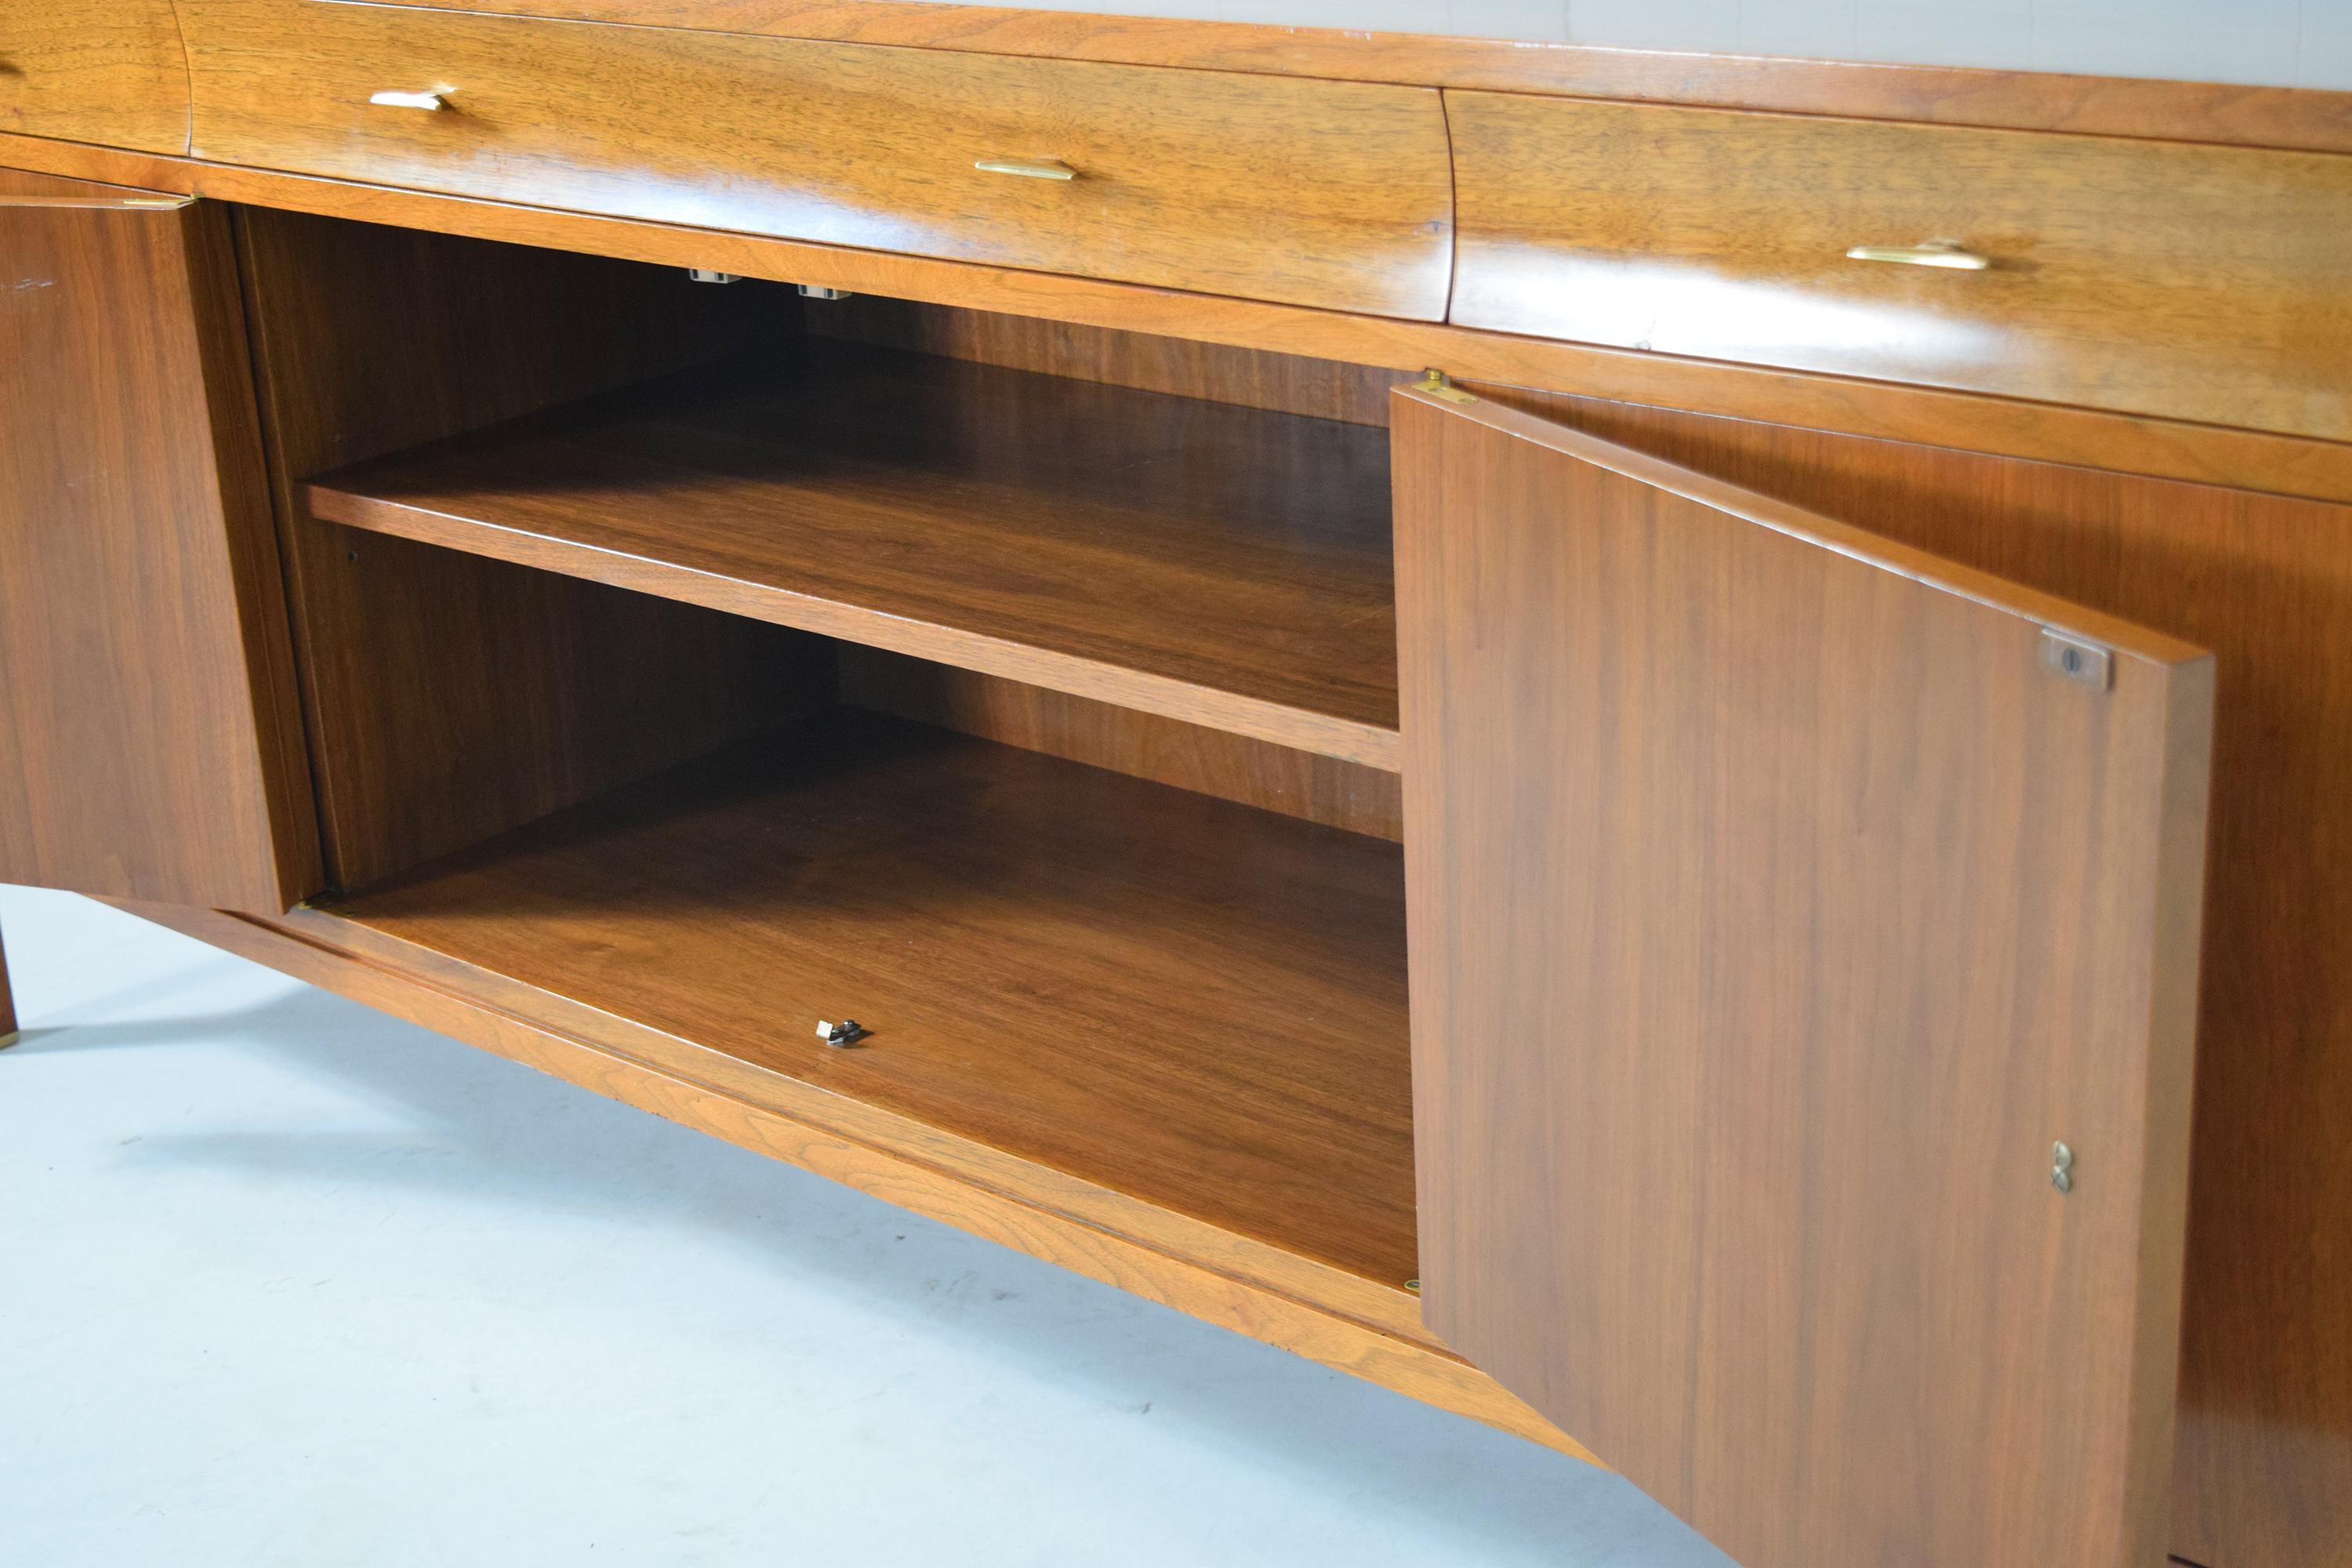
{"x":150,"y":741}
{"x":1778,"y":900}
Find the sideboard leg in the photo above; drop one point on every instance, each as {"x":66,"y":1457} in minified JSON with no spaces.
{"x":7,"y":1005}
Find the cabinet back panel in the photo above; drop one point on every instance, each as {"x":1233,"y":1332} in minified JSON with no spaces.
{"x":1254,"y":378}
{"x":2265,"y":1420}
{"x":1277,"y":778}
{"x":1142,"y":745}
{"x":451,"y":697}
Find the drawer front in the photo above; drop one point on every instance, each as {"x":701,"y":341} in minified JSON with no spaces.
{"x":1326,"y":194}
{"x":108,"y":71}
{"x":2202,"y":283}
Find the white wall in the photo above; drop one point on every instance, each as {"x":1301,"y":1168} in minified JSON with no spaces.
{"x":2277,"y":43}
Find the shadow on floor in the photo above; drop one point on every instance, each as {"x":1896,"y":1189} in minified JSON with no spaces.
{"x":502,"y":1135}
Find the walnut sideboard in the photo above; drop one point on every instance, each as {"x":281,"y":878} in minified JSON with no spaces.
{"x":1657,"y":747}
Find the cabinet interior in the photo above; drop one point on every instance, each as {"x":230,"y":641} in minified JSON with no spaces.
{"x":720,"y":662}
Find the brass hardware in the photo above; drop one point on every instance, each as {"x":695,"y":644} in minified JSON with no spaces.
{"x":2077,"y":660}
{"x":2062,"y":1167}
{"x":406,"y":99}
{"x":1435,"y":383}
{"x":155,"y":204}
{"x":1041,"y":169}
{"x":1414,"y":1286}
{"x":849,"y":1032}
{"x":808,"y":290}
{"x":1949,"y":254}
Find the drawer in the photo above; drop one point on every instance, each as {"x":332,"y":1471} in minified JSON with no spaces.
{"x":108,"y":71}
{"x":2202,"y":283}
{"x":1328,"y":194}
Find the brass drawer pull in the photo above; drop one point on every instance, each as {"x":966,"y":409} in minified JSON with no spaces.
{"x":406,"y":99}
{"x":1945,"y":253}
{"x":156,"y":204}
{"x":1045,"y":169}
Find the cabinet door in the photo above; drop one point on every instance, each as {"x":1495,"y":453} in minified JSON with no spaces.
{"x":149,"y":744}
{"x":1803,"y":945}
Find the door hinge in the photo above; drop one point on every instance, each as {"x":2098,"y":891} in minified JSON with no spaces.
{"x":1435,"y":383}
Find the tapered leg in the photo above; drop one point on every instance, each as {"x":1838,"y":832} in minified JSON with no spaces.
{"x":7,"y":1005}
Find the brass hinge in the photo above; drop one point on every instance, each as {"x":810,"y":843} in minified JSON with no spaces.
{"x":1435,"y":383}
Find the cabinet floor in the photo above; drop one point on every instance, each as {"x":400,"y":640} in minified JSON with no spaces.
{"x":291,"y":1282}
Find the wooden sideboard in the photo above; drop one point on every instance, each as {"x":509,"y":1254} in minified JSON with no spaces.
{"x":1750,"y":872}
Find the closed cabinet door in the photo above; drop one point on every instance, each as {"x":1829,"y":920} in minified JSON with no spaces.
{"x":150,"y":741}
{"x":1803,"y":945}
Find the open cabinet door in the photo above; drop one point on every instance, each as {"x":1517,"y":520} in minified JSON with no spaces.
{"x":1780,"y":900}
{"x":150,"y":740}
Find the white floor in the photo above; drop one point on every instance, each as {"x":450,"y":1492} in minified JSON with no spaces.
{"x":284,"y":1281}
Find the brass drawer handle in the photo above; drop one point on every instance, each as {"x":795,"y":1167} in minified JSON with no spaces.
{"x":1044,"y":168}
{"x":156,"y":204}
{"x":406,"y":99}
{"x":1945,"y":253}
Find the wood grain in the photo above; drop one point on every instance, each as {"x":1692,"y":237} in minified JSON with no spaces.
{"x":1328,"y":194}
{"x":1773,"y":912}
{"x":1382,"y":1303}
{"x":1217,"y":564}
{"x":151,"y":726}
{"x":1141,"y":746}
{"x":2265,"y":1423}
{"x":1148,"y":361}
{"x":2208,"y":284}
{"x":2024,"y":100}
{"x":450,"y":696}
{"x":1277,"y":778}
{"x":108,"y":71}
{"x":1029,"y":1220}
{"x":2093,"y":437}
{"x":2266,"y":1434}
{"x":1180,"y":999}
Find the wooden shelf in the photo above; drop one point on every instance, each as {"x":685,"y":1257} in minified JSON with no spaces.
{"x":1223,"y":565}
{"x":1169,"y":1000}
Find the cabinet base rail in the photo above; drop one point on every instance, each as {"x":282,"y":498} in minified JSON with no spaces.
{"x":1189,"y":1281}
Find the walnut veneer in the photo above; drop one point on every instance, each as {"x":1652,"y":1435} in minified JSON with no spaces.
{"x":623,"y":671}
{"x":94,"y":70}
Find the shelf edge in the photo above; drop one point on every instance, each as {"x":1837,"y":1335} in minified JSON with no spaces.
{"x":1077,"y":675}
